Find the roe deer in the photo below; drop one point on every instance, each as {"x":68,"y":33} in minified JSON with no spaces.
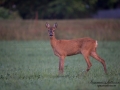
{"x":62,"y":48}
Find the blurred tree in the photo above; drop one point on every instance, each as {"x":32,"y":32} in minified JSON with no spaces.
{"x":4,"y":13}
{"x":57,"y":9}
{"x":7,"y":14}
{"x":2,"y":1}
{"x":68,"y":9}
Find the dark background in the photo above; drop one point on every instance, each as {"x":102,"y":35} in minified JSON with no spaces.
{"x":54,"y":9}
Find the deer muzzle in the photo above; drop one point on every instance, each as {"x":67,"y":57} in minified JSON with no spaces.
{"x":50,"y":32}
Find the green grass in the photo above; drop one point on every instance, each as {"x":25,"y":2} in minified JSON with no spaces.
{"x":31,"y":65}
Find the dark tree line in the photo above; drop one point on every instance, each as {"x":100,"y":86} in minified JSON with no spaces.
{"x":57,"y":9}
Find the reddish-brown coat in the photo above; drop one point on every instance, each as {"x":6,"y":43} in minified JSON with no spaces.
{"x":63,"y":48}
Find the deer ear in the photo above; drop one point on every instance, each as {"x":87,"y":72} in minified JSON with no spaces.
{"x":55,"y":25}
{"x":47,"y":25}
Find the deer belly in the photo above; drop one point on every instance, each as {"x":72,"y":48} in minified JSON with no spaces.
{"x":73,"y":52}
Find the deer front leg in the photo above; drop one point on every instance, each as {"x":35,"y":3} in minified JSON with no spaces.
{"x":61,"y":64}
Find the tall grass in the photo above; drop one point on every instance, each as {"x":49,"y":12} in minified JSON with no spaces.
{"x":107,"y":29}
{"x":31,"y":65}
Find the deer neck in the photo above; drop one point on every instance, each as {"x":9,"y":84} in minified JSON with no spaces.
{"x":53,"y":41}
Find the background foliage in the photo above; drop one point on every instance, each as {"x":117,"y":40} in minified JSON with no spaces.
{"x":6,"y":14}
{"x":57,"y":9}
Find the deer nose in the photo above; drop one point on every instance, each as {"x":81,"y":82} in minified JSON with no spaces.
{"x":50,"y":33}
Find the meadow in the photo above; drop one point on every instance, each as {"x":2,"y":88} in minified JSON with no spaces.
{"x":31,"y":65}
{"x":99,"y":29}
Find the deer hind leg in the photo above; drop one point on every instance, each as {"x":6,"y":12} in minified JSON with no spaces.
{"x":86,"y":56}
{"x":97,"y":57}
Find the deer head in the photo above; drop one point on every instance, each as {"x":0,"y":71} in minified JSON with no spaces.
{"x":51,"y":29}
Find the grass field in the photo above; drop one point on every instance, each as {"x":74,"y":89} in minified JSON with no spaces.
{"x":31,"y":65}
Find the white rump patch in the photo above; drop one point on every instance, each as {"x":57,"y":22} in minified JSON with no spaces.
{"x":96,"y":44}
